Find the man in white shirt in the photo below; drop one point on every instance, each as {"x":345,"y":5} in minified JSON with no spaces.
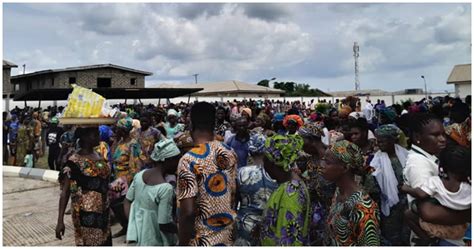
{"x":369,"y":111}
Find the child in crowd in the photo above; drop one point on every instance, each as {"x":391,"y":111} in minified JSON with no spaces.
{"x":149,"y":201}
{"x":452,"y":189}
{"x":29,"y":159}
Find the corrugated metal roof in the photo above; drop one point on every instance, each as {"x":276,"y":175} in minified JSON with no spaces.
{"x":7,"y":64}
{"x":229,"y":86}
{"x":82,"y":68}
{"x":460,"y":74}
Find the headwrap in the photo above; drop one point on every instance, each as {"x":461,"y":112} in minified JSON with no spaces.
{"x":388,"y":130}
{"x":183,"y":140}
{"x":122,"y":115}
{"x":54,"y":120}
{"x":136,"y":124}
{"x":313,"y":116}
{"x":247,"y":110}
{"x":335,"y":136}
{"x":125,"y":123}
{"x":357,"y":115}
{"x":389,"y":114}
{"x":166,"y":148}
{"x":279,"y":117}
{"x":345,"y":111}
{"x":283,"y":150}
{"x":105,"y":132}
{"x":263,"y":116}
{"x":172,"y":112}
{"x":350,"y":154}
{"x":293,"y":118}
{"x":314,"y":129}
{"x":257,"y":143}
{"x":461,"y":133}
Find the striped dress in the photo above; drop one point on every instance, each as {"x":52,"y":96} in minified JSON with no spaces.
{"x":354,"y":222}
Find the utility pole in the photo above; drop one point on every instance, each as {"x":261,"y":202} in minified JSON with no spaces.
{"x":426,"y":92}
{"x":24,"y":66}
{"x":196,"y":81}
{"x":356,"y":66}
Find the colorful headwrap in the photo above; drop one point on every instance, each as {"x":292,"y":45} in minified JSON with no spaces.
{"x":335,"y":136}
{"x":283,"y":150}
{"x":345,"y":111}
{"x":263,"y":116}
{"x":279,"y":117}
{"x":461,"y":133}
{"x":350,"y":154}
{"x":389,"y":114}
{"x":184,"y":140}
{"x":293,"y":118}
{"x":314,"y":129}
{"x":164,"y":149}
{"x":54,"y":120}
{"x":125,"y":123}
{"x":313,"y":116}
{"x":257,"y":143}
{"x":105,"y":132}
{"x":388,"y":130}
{"x":247,"y":110}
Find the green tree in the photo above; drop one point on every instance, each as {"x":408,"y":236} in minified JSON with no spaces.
{"x":264,"y":82}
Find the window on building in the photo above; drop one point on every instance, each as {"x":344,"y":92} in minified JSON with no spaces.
{"x":133,"y":81}
{"x":16,"y":87}
{"x":28,"y":85}
{"x":72,"y":80}
{"x":52,"y":81}
{"x":104,"y":82}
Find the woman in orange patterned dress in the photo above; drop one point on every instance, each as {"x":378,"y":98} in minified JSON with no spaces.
{"x":86,"y":182}
{"x":353,"y":219}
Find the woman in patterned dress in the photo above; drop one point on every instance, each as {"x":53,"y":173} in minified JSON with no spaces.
{"x":127,"y":158}
{"x":358,"y":134}
{"x":86,"y":182}
{"x":321,"y":191}
{"x":254,"y":187}
{"x":24,"y":142}
{"x":353,"y":218}
{"x":286,"y":217}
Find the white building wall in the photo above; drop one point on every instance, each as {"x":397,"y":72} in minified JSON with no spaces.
{"x":462,"y":90}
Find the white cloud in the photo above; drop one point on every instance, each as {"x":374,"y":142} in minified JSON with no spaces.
{"x":249,"y":42}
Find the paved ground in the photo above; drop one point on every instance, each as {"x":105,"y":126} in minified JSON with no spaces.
{"x":30,"y":211}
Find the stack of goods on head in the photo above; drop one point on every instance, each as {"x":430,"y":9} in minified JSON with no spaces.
{"x":87,"y":107}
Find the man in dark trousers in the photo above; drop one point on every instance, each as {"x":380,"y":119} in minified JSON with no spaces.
{"x":52,"y":141}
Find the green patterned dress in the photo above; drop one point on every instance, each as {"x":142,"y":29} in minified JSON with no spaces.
{"x":354,"y":222}
{"x":286,"y":218}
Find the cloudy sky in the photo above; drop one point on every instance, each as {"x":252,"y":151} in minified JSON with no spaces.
{"x":306,"y":43}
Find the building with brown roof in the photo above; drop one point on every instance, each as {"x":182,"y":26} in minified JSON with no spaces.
{"x":461,"y":78}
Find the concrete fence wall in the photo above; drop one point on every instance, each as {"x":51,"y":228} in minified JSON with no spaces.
{"x":389,"y":100}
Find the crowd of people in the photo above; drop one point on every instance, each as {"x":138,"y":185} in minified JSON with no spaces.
{"x":259,"y":173}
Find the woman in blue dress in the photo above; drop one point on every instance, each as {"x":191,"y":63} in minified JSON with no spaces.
{"x":254,"y":188}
